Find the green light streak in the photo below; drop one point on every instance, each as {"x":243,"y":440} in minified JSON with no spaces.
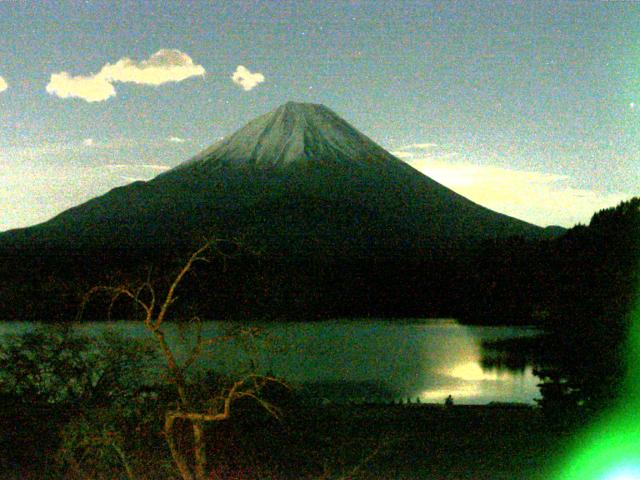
{"x":610,"y":449}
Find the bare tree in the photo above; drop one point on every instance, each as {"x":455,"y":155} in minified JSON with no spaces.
{"x":155,"y":307}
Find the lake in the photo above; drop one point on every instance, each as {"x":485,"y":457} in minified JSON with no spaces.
{"x":360,"y":360}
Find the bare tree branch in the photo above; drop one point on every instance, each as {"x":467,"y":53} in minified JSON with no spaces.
{"x":195,"y":257}
{"x":155,"y":311}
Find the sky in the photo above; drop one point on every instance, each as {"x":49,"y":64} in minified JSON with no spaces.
{"x":529,"y":108}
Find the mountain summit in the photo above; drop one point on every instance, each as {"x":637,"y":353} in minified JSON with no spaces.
{"x":293,"y":133}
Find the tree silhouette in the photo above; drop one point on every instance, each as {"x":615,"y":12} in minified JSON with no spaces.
{"x":189,"y":408}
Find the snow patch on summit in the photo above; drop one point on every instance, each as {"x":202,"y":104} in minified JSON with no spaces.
{"x":291,"y":134}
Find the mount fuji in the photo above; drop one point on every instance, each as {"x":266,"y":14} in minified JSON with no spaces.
{"x":332,"y":225}
{"x":297,"y":181}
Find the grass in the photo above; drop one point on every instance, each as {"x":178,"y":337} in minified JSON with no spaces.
{"x":432,"y":442}
{"x":370,"y":442}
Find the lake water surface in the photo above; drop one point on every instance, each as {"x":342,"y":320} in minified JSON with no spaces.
{"x":360,"y":360}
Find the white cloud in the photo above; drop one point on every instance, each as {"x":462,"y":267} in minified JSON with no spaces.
{"x":247,"y":80}
{"x":404,"y":154}
{"x":633,"y":106}
{"x":92,"y":88}
{"x":88,"y":142}
{"x":537,"y":197}
{"x":166,"y":65}
{"x":413,"y":149}
{"x":176,"y":140}
{"x":3,"y":84}
{"x":154,"y":166}
{"x":421,"y":146}
{"x":135,"y":172}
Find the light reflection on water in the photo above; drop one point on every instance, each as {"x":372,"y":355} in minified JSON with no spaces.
{"x":363,"y":360}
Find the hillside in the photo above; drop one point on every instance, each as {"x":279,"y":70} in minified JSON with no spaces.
{"x":332,"y":214}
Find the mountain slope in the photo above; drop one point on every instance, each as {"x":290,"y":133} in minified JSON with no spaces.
{"x":297,"y":181}
{"x":343,"y":228}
